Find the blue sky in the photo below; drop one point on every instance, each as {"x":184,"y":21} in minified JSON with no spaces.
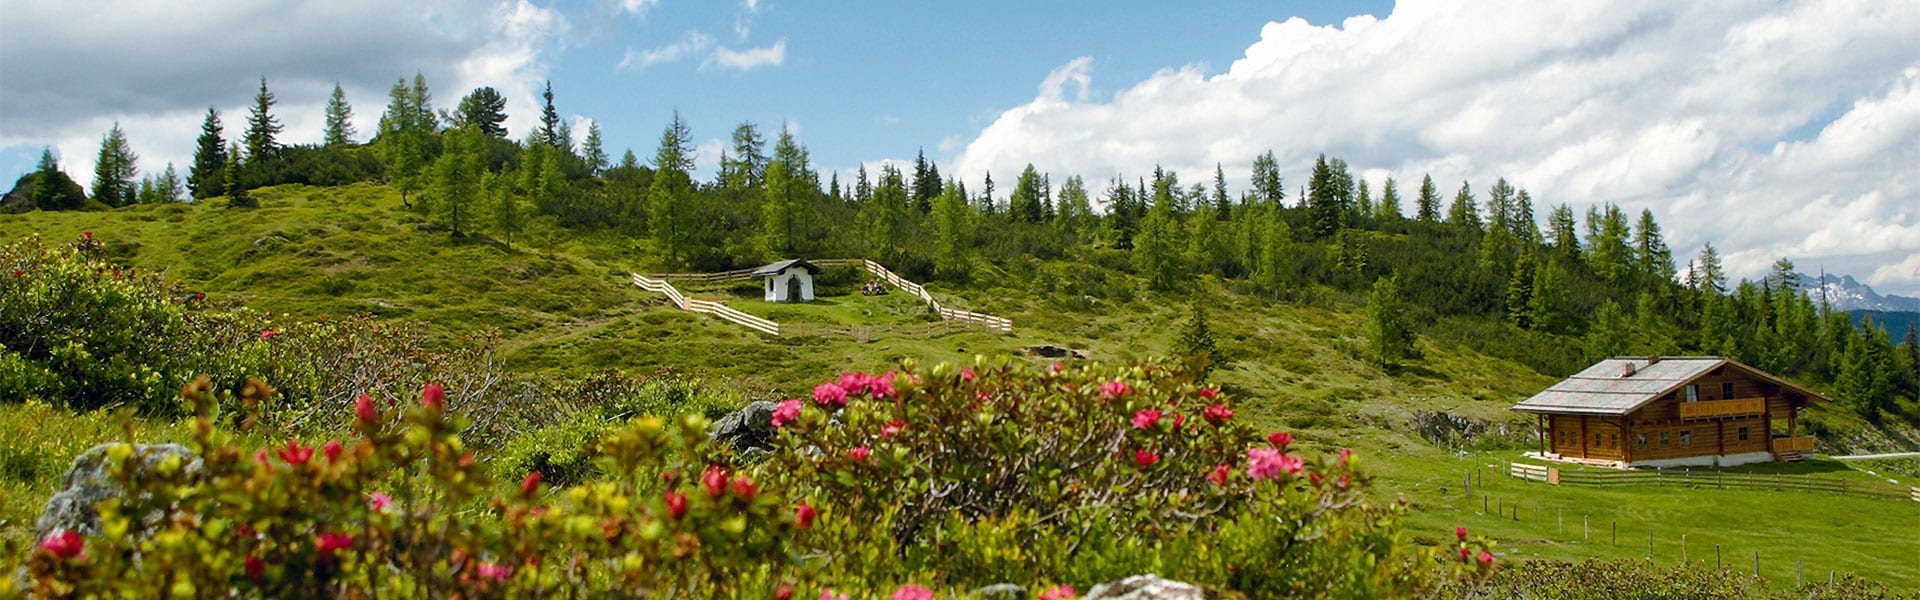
{"x":1770,"y":128}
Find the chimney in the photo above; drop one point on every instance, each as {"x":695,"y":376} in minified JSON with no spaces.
{"x":1653,"y":360}
{"x":1627,"y":370}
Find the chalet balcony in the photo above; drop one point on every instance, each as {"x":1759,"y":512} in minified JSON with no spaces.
{"x":1720,"y":409}
{"x":1793,"y":444}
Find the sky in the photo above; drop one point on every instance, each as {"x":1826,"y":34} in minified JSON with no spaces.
{"x":1772,"y":129}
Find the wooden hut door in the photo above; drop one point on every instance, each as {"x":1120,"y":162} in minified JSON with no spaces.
{"x":793,"y":289}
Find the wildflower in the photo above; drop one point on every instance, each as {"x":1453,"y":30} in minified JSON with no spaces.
{"x":1146,"y":417}
{"x":1056,"y":368}
{"x":531,"y":484}
{"x":676,"y":504}
{"x":784,"y":592}
{"x":803,"y":515}
{"x":1114,"y":389}
{"x":966,"y":374}
{"x":1179,"y":420}
{"x":379,"y":501}
{"x":1316,"y":478}
{"x":1217,"y":413}
{"x":829,"y":394}
{"x":256,"y":568}
{"x":327,"y":543}
{"x":882,"y":386}
{"x":1486,"y":558}
{"x":1460,"y":532}
{"x":1219,"y":474}
{"x":786,"y":412}
{"x":260,"y":459}
{"x":365,"y":411}
{"x":1465,"y":554}
{"x":495,"y":572}
{"x":715,"y":480}
{"x":743,"y":487}
{"x":1145,"y":458}
{"x":294,"y":454}
{"x":1268,"y":463}
{"x":1058,"y":592}
{"x":829,"y":594}
{"x":1209,"y":393}
{"x":859,"y":454}
{"x":856,"y":383}
{"x":892,"y":428}
{"x":1280,"y":439}
{"x":912,"y":592}
{"x":65,"y":545}
{"x":18,"y":273}
{"x":268,"y":334}
{"x":1346,"y":455}
{"x":434,"y":397}
{"x":332,"y":450}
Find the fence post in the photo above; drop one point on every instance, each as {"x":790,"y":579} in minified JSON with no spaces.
{"x":1649,"y":544}
{"x":1561,"y":515}
{"x":1799,"y":569}
{"x":1469,"y":486}
{"x":1586,"y":531}
{"x":1683,"y":548}
{"x":1616,"y":533}
{"x":1756,"y":563}
{"x":1716,"y":557}
{"x":1536,"y":513}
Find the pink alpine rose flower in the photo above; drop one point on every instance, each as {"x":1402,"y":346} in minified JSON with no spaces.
{"x":1486,"y":558}
{"x":856,"y":383}
{"x":1146,"y":417}
{"x":379,"y":501}
{"x":787,"y":412}
{"x":365,"y":412}
{"x":1114,"y":389}
{"x":676,"y":504}
{"x":715,"y":481}
{"x":1217,"y":413}
{"x":1058,"y":592}
{"x":1145,"y":458}
{"x":1270,"y":463}
{"x":1209,"y":393}
{"x":328,"y":543}
{"x":65,"y":545}
{"x":1461,"y":533}
{"x":830,"y":395}
{"x":495,"y":572}
{"x":294,"y":454}
{"x":912,"y":592}
{"x":1280,"y":439}
{"x":882,"y":386}
{"x":803,"y":515}
{"x":1219,"y":474}
{"x":966,"y":374}
{"x":434,"y":397}
{"x":893,"y":428}
{"x":859,"y":454}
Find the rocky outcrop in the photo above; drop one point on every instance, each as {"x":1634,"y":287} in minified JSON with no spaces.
{"x":750,"y":428}
{"x":1146,"y":587}
{"x":76,"y":507}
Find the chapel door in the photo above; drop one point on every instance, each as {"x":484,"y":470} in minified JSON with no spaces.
{"x":793,"y":290}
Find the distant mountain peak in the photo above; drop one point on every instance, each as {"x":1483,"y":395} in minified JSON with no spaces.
{"x":1845,"y":293}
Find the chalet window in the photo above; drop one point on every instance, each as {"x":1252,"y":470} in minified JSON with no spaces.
{"x":1642,"y":440}
{"x":1743,"y":434}
{"x":1686,"y":437}
{"x":1693,"y":393}
{"x":1613,"y":440}
{"x":1599,"y":441}
{"x":1663,"y":439}
{"x":1726,"y":390}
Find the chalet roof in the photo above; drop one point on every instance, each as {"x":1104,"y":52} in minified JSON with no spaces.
{"x":1619,"y":385}
{"x":777,"y":268}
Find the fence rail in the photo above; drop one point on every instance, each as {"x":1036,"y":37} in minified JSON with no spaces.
{"x":950,"y":319}
{"x":1713,"y":479}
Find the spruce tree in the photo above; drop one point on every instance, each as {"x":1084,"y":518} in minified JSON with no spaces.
{"x":339,"y":130}
{"x":1324,"y":200}
{"x":1389,"y":209}
{"x":115,"y":173}
{"x":1222,"y":206}
{"x":207,"y":176}
{"x":262,"y":127}
{"x":747,"y":169}
{"x":1429,"y":201}
{"x":594,"y":152}
{"x":1520,"y":291}
{"x":1389,"y":337}
{"x":236,"y":189}
{"x":1464,"y":214}
{"x":549,"y":132}
{"x":1195,"y":344}
{"x":1268,"y":187}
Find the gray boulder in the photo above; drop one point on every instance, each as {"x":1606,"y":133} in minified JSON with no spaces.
{"x":750,"y":428}
{"x":1004,"y":591}
{"x":76,"y":507}
{"x":1146,"y":587}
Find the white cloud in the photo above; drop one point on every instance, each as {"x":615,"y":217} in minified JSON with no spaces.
{"x":692,"y":44}
{"x":156,"y":68}
{"x":749,"y":59}
{"x":1903,"y":275}
{"x":1689,"y":109}
{"x":743,"y":20}
{"x":638,"y":8}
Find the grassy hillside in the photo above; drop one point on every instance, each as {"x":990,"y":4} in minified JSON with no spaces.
{"x":562,"y":304}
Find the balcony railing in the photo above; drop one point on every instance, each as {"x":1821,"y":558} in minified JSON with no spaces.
{"x":1793,"y":444}
{"x":1714,"y":409}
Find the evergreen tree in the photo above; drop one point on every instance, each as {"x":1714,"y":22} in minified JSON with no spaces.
{"x":1522,"y":223}
{"x":456,"y":185}
{"x":668,"y":219}
{"x":207,"y":177}
{"x":1222,"y":206}
{"x":1464,"y":214}
{"x":262,"y":127}
{"x":1566,"y":236}
{"x":403,"y":140}
{"x":1273,"y":270}
{"x":339,"y":128}
{"x":421,"y":101}
{"x":885,"y":214}
{"x":1547,"y":306}
{"x":748,"y":168}
{"x":52,"y":189}
{"x":236,"y":190}
{"x":988,"y":204}
{"x":1520,"y":291}
{"x":1207,"y":249}
{"x":863,"y":187}
{"x":1363,"y":203}
{"x":926,"y":183}
{"x":1500,"y":207}
{"x":594,"y":154}
{"x":1121,"y":213}
{"x":1025,"y":204}
{"x":483,"y":109}
{"x":163,"y":188}
{"x":549,"y":132}
{"x":1268,"y":187}
{"x":563,"y":140}
{"x":1388,"y":334}
{"x":1713,"y":278}
{"x":1429,"y":201}
{"x":1651,"y":257}
{"x":782,"y":208}
{"x":507,"y":217}
{"x":1323,"y":203}
{"x":1912,"y":346}
{"x":1610,"y":334}
{"x":953,"y":233}
{"x":115,"y":174}
{"x":1195,"y":344}
{"x":1608,"y":252}
{"x":1389,"y":209}
{"x":1076,"y":210}
{"x":1155,"y":256}
{"x":1784,"y":277}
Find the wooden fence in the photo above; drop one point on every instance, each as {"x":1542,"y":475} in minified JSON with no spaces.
{"x":950,"y":319}
{"x":1711,"y":479}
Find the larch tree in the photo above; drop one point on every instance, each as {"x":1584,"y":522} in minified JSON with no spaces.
{"x":1268,"y":187}
{"x":1609,"y":254}
{"x":1274,"y":268}
{"x":1565,"y":229}
{"x":747,"y":169}
{"x":1652,"y":260}
{"x":1464,"y":213}
{"x":508,"y":219}
{"x":1547,"y":307}
{"x":456,"y":185}
{"x":953,"y":230}
{"x":403,"y":140}
{"x":668,"y":220}
{"x":1076,"y":210}
{"x":1389,"y":336}
{"x":115,"y":172}
{"x":1389,"y":209}
{"x":1156,"y":255}
{"x":339,"y":127}
{"x":263,"y":128}
{"x":593,"y":151}
{"x":207,"y":177}
{"x":1025,"y":204}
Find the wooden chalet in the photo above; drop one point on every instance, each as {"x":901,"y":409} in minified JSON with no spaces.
{"x":1671,"y":411}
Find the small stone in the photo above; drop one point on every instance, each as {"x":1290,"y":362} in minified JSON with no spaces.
{"x":1146,"y":587}
{"x":90,"y":480}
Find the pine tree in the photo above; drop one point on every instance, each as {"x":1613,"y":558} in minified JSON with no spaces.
{"x":1464,"y":214}
{"x":594,"y":154}
{"x":207,"y":177}
{"x":1195,"y":344}
{"x":549,"y":132}
{"x":953,"y":234}
{"x":483,"y":109}
{"x":1429,"y":201}
{"x":262,"y":127}
{"x":1268,"y":187}
{"x":1389,"y":209}
{"x":339,"y":129}
{"x":667,"y":196}
{"x":115,"y":173}
{"x":1388,"y":334}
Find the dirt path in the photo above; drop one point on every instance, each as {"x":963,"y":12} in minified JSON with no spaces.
{"x":1875,"y":456}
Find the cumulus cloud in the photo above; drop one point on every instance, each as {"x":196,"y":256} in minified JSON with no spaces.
{"x":750,"y":58}
{"x":1699,"y":111}
{"x":691,"y":45}
{"x":638,"y":8}
{"x":155,"y":67}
